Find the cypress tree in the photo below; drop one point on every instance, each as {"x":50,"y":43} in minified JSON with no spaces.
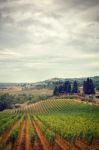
{"x":61,"y":90}
{"x":67,"y":87}
{"x":56,"y":91}
{"x":88,"y":87}
{"x":75,"y":87}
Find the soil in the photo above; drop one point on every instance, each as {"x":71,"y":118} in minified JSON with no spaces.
{"x":7,"y":134}
{"x":45,"y":143}
{"x":20,"y":142}
{"x":82,"y":144}
{"x":28,"y":141}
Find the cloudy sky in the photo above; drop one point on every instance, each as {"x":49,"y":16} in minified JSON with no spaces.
{"x":41,"y":39}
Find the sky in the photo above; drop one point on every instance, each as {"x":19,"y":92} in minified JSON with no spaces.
{"x":42,"y":39}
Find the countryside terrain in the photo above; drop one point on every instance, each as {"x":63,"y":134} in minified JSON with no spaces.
{"x":42,"y":119}
{"x":14,"y":94}
{"x":54,"y":124}
{"x":49,"y":74}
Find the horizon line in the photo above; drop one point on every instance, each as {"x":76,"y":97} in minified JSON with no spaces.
{"x":29,"y":82}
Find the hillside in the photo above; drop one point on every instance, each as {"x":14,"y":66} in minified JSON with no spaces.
{"x":51,"y":83}
{"x":51,"y":125}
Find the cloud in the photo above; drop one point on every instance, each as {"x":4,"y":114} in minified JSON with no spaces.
{"x":48,"y":37}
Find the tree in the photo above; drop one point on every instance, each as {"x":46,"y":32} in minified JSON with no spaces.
{"x":67,"y":87}
{"x":88,"y":87}
{"x":61,"y":89}
{"x":75,"y":87}
{"x":5,"y":101}
{"x":56,"y":91}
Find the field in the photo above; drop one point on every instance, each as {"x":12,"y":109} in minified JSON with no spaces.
{"x":56,"y":124}
{"x":35,"y":92}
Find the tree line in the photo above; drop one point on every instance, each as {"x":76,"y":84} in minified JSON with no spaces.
{"x":68,"y":88}
{"x":8,"y":101}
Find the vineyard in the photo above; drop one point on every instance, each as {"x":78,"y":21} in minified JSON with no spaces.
{"x":51,"y":125}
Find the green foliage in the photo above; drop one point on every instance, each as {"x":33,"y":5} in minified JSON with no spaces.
{"x":8,"y":101}
{"x":31,"y":129}
{"x":5,"y":101}
{"x":7,"y":125}
{"x":66,"y":118}
{"x":15,"y":134}
{"x":97,"y":88}
{"x":71,"y":119}
{"x":48,"y":133}
{"x":16,"y":131}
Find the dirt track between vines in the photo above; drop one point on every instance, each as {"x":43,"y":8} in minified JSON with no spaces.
{"x":6,"y":136}
{"x":28,"y":142}
{"x":20,"y":142}
{"x":24,"y":142}
{"x":41,"y":136}
{"x":79,"y":144}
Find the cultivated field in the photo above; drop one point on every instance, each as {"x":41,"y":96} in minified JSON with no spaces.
{"x":51,"y":125}
{"x":16,"y":91}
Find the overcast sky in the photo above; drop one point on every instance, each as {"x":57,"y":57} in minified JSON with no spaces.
{"x":41,"y":39}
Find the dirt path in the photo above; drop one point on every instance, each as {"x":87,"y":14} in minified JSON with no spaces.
{"x":41,"y":136}
{"x":62,"y":143}
{"x":82,"y":145}
{"x":65,"y":145}
{"x":96,"y":144}
{"x":28,"y":142}
{"x":20,"y":142}
{"x":6,"y":135}
{"x":37,"y":145}
{"x":56,"y":147}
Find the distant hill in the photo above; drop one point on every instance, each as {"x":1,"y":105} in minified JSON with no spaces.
{"x":50,"y":83}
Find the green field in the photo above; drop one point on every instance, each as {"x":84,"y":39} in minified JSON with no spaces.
{"x":56,"y":117}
